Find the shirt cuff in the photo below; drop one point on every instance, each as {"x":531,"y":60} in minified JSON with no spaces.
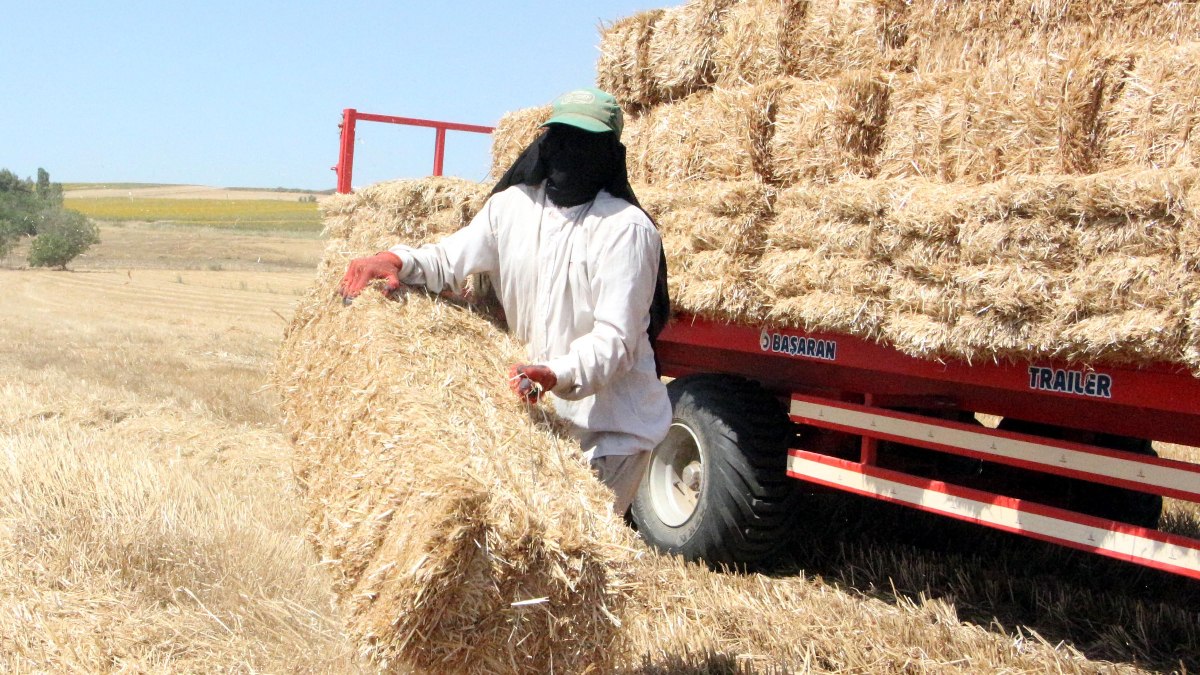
{"x":410,"y":273}
{"x":562,"y":370}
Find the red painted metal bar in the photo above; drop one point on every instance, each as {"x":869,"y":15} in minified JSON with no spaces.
{"x":345,"y":165}
{"x":439,"y":150}
{"x":350,"y":116}
{"x":1168,"y":552}
{"x":1168,"y":477}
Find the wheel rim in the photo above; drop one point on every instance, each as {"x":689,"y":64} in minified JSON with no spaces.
{"x":676,"y":476}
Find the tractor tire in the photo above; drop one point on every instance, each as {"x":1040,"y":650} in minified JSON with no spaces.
{"x":1103,"y":501}
{"x":717,"y":488}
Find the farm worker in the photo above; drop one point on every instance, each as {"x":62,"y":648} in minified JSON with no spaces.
{"x":579,"y":271}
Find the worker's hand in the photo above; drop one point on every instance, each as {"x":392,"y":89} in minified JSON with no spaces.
{"x":531,"y":382}
{"x":384,"y":265}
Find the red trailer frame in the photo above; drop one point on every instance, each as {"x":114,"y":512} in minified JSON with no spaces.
{"x":350,"y":118}
{"x":849,"y":385}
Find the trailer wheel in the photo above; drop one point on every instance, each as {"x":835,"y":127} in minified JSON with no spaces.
{"x":717,"y":487}
{"x":1104,"y":501}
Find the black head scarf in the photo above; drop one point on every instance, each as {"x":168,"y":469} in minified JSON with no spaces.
{"x":576,"y":165}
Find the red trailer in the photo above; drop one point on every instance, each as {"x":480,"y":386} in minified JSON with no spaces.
{"x":1070,"y":461}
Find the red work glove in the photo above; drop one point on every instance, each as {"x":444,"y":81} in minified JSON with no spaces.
{"x":384,"y":265}
{"x":531,"y":382}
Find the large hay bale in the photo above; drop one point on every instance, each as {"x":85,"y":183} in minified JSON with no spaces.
{"x":1154,"y":119}
{"x":463,"y":530}
{"x":682,"y":47}
{"x":828,"y":130}
{"x":623,"y":69}
{"x":1016,"y":116}
{"x":515,"y":131}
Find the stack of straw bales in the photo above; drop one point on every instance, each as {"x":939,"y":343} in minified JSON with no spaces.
{"x":969,"y":180}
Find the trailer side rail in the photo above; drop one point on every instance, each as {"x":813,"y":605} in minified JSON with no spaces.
{"x":1167,"y":552}
{"x":350,"y":119}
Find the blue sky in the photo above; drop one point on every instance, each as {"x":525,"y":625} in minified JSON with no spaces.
{"x":250,"y":94}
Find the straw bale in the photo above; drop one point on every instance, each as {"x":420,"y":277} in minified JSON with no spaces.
{"x":925,"y":123}
{"x":838,"y":36}
{"x":756,"y":35}
{"x":932,"y":260}
{"x":377,"y":216}
{"x":1016,"y":116}
{"x":1159,"y":106}
{"x":725,"y":198}
{"x":808,"y":229}
{"x":682,"y":46}
{"x":820,"y":289}
{"x":719,"y":134}
{"x":1048,"y":242}
{"x":950,"y":35}
{"x":917,"y":333}
{"x":713,"y":216}
{"x":624,"y":66}
{"x":1133,"y":337}
{"x":830,"y":311}
{"x":1133,"y":194}
{"x":1191,"y":353}
{"x":716,"y":285}
{"x":994,"y":336}
{"x":436,"y":500}
{"x":1021,"y":291}
{"x":795,"y":272}
{"x":859,"y":201}
{"x":1123,"y":282}
{"x":515,"y":131}
{"x":909,"y":294}
{"x":829,"y":130}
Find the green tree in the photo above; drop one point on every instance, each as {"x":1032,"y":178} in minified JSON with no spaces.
{"x":18,"y":203}
{"x":62,"y":235}
{"x":10,"y":232}
{"x":49,"y":193}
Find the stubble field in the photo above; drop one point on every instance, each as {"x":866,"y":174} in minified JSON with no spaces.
{"x":148,"y":519}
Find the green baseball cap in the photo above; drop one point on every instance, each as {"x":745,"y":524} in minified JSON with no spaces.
{"x":589,"y":109}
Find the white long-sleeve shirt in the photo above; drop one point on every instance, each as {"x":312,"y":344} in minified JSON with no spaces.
{"x":576,"y":285}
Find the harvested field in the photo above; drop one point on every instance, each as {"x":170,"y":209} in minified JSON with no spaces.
{"x":149,"y":521}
